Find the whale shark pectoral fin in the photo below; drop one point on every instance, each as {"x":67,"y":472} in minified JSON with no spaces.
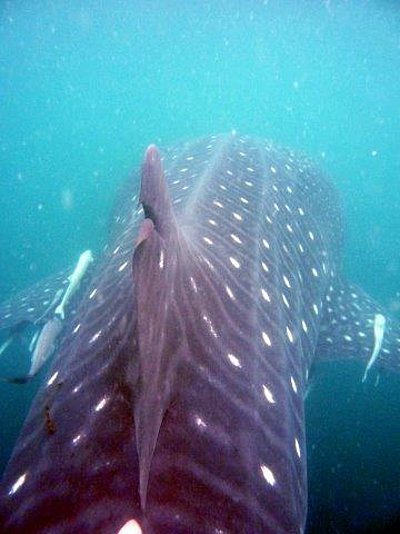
{"x":4,"y":346}
{"x":41,"y":347}
{"x":14,"y":335}
{"x":16,"y":379}
{"x":355,"y":326}
{"x":155,"y":264}
{"x":35,"y":304}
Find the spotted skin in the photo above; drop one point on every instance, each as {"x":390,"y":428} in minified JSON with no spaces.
{"x":34,"y":305}
{"x":348,"y":329}
{"x":175,"y":401}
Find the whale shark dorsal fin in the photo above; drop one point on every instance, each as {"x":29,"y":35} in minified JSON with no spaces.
{"x":154,"y":195}
{"x":155,"y":262}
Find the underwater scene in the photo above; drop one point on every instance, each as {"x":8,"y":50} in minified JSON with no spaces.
{"x":86,"y":86}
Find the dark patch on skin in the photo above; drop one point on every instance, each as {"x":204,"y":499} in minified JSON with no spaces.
{"x":49,"y":421}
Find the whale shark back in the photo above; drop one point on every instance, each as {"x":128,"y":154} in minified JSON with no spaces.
{"x":175,"y":400}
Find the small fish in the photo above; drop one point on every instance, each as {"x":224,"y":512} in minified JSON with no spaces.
{"x":45,"y":344}
{"x":379,"y":330}
{"x":84,"y":261}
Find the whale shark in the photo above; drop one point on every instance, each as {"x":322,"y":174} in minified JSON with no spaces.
{"x":175,"y":397}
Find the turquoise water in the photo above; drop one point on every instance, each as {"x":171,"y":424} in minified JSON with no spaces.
{"x":86,"y":85}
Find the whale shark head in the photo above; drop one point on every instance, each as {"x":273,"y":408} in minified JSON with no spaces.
{"x":175,"y":402}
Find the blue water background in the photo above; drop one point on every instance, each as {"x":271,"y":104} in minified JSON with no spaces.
{"x":86,"y":85}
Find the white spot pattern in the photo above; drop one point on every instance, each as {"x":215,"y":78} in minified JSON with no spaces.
{"x":268,"y":475}
{"x":234,"y":360}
